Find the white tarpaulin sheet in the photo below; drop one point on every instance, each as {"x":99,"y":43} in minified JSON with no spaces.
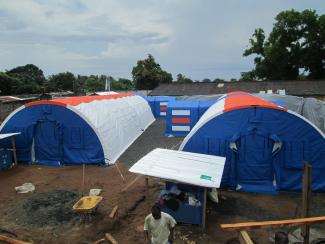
{"x":191,"y":168}
{"x":3,"y":136}
{"x":117,"y":122}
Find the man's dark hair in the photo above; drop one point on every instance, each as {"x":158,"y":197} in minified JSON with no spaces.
{"x":155,"y":207}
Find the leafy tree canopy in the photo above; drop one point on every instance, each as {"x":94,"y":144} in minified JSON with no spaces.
{"x":183,"y":79}
{"x":93,"y":83}
{"x":28,"y":73}
{"x":61,"y":82}
{"x":29,"y":78}
{"x":8,"y":84}
{"x":295,"y":47}
{"x":147,"y":74}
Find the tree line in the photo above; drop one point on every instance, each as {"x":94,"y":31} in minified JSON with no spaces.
{"x":29,"y":79}
{"x":294,"y":50}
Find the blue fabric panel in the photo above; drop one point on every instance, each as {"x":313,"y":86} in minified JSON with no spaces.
{"x":24,"y":142}
{"x":157,"y":100}
{"x":151,"y":101}
{"x":204,"y":106}
{"x":6,"y":159}
{"x":48,"y":143}
{"x":265,"y":188}
{"x":78,"y":143}
{"x":186,"y":213}
{"x":254,"y":162}
{"x":192,"y":106}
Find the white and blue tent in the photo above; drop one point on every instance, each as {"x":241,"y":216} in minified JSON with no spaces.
{"x":264,"y":144}
{"x":77,"y":130}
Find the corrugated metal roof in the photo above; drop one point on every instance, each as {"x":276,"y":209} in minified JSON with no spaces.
{"x":297,"y":88}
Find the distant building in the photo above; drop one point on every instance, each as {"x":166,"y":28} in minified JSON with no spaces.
{"x":10,"y":103}
{"x":314,"y":89}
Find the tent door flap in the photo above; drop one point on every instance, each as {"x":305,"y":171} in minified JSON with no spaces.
{"x":254,"y":164}
{"x":48,"y":143}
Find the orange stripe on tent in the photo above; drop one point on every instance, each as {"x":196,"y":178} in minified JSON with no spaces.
{"x":163,"y":108}
{"x":247,"y":101}
{"x":238,"y":93}
{"x":181,"y":120}
{"x":52,"y":102}
{"x":74,"y":101}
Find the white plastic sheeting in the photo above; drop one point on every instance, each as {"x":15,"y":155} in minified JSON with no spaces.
{"x":117,"y":122}
{"x":3,"y":136}
{"x":310,"y":108}
{"x":191,"y":168}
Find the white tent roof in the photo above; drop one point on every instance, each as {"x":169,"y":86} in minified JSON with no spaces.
{"x":192,"y":168}
{"x":101,"y":93}
{"x":117,"y":122}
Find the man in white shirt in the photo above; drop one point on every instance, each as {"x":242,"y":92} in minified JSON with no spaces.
{"x":160,"y":225}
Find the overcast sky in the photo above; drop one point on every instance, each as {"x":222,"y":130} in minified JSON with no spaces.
{"x":200,"y":39}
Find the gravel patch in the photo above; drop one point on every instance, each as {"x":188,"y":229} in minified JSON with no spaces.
{"x":152,"y":138}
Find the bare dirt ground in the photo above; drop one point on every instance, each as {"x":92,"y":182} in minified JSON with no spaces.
{"x":44,"y":216}
{"x":127,"y":227}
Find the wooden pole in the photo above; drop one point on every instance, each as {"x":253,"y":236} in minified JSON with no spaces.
{"x":147,"y":194}
{"x":83,"y":179}
{"x":244,"y":237}
{"x":118,"y":169}
{"x":14,"y":149}
{"x":204,"y":208}
{"x":306,"y":196}
{"x":273,"y":223}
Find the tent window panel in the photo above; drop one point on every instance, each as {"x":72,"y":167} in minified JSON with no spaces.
{"x":294,"y":154}
{"x":76,"y":137}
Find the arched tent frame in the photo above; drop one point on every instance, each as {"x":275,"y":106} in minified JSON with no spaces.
{"x":225,"y":141}
{"x":116,"y":120}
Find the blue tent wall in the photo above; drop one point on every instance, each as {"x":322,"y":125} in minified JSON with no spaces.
{"x":204,"y":106}
{"x":253,"y":166}
{"x":60,"y":136}
{"x":181,"y":109}
{"x":159,"y":103}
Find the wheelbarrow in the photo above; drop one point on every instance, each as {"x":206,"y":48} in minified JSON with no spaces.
{"x":87,"y":205}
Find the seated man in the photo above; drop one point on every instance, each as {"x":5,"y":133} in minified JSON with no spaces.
{"x":160,"y":225}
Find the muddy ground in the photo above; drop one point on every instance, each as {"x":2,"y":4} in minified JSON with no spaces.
{"x":45,"y":215}
{"x":127,"y":227}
